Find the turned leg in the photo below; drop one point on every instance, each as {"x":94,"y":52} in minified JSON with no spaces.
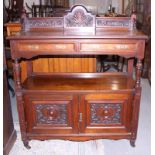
{"x":132,"y":143}
{"x":26,"y":144}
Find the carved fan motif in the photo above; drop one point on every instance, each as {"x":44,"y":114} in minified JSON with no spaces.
{"x":79,"y":17}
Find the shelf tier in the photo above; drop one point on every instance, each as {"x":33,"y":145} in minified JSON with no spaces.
{"x":79,"y":82}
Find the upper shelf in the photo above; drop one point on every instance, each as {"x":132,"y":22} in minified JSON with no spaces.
{"x":98,"y":34}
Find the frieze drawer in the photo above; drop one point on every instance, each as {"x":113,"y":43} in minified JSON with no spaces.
{"x":94,"y":47}
{"x":52,"y":47}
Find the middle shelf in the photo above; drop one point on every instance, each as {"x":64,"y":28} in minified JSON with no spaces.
{"x":82,"y":82}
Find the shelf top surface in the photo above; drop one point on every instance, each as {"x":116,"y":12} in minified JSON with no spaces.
{"x":81,"y":83}
{"x":60,"y":34}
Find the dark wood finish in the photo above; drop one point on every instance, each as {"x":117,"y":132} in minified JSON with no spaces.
{"x":76,"y":82}
{"x":74,"y":46}
{"x":9,"y":133}
{"x":78,"y":106}
{"x":106,"y":113}
{"x":52,"y":64}
{"x":52,"y":114}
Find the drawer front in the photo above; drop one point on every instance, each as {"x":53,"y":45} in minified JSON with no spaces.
{"x":31,"y":48}
{"x":106,"y":113}
{"x":52,"y":114}
{"x":43,"y":47}
{"x":107,"y":47}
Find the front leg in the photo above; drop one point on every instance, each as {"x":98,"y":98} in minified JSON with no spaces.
{"x":26,"y":144}
{"x":132,"y":142}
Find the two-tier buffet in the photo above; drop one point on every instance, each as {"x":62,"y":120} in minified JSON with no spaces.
{"x":78,"y":106}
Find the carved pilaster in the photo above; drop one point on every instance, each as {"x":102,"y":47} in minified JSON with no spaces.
{"x":17,"y":74}
{"x":138,"y":73}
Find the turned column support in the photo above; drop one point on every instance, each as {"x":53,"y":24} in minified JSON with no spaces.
{"x":17,"y":74}
{"x":138,"y":73}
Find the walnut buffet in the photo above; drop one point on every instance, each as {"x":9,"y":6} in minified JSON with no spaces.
{"x":78,"y":106}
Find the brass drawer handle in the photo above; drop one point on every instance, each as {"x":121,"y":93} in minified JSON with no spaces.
{"x":122,"y":46}
{"x":33,"y":47}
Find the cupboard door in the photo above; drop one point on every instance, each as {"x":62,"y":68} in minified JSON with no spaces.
{"x":106,"y":113}
{"x":51,"y":114}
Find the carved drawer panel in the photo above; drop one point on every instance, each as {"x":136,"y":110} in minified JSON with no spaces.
{"x":106,"y":112}
{"x":99,"y":47}
{"x":47,"y":46}
{"x":51,"y":113}
{"x":55,"y":114}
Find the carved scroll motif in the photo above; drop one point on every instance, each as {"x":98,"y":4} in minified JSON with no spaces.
{"x":51,"y":114}
{"x":44,"y":23}
{"x":78,"y":18}
{"x":105,"y":22}
{"x":105,"y":113}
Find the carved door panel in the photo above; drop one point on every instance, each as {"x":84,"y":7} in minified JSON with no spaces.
{"x":51,"y":114}
{"x":106,"y":113}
